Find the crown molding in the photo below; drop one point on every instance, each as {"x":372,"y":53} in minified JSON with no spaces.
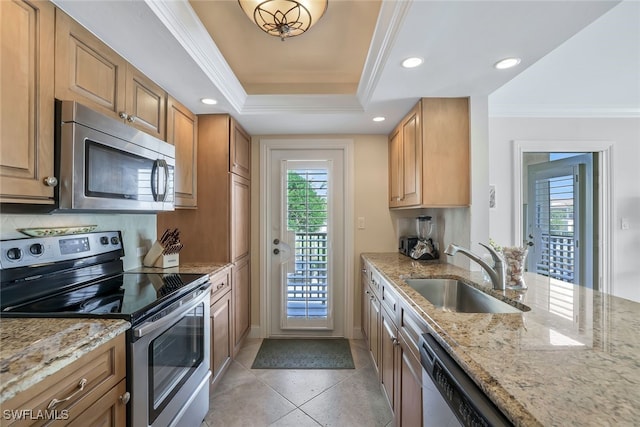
{"x":181,"y":20}
{"x":390,"y":20}
{"x":563,"y":111}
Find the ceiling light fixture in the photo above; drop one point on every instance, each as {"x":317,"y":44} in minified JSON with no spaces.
{"x":503,"y":64}
{"x":412,"y":62}
{"x":379,"y":119}
{"x":284,"y":18}
{"x":209,"y":101}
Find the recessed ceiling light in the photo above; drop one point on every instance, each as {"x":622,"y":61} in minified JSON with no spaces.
{"x":209,"y":101}
{"x":379,"y":119}
{"x":412,"y":62}
{"x":503,"y":64}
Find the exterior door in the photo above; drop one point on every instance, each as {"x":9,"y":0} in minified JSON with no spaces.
{"x":305,"y":243}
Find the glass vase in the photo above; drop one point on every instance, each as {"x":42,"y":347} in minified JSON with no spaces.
{"x":515,"y":258}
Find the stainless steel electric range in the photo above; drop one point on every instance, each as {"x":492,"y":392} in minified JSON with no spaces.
{"x":82,"y":276}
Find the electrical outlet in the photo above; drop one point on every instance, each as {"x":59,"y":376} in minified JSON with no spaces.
{"x":624,"y":223}
{"x":141,"y":250}
{"x":360,"y":223}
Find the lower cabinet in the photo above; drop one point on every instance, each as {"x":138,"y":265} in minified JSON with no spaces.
{"x":89,"y":391}
{"x":221,"y":325}
{"x":241,"y":296}
{"x":392,"y":330}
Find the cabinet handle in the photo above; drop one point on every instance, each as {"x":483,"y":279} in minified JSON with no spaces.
{"x":131,"y":118}
{"x":81,"y":385}
{"x":50,"y":181}
{"x":395,"y":341}
{"x":125,"y":398}
{"x":123,"y":115}
{"x":220,"y":286}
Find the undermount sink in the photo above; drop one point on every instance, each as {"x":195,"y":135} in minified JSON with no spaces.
{"x":453,"y":295}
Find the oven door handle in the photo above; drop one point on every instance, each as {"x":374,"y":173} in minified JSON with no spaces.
{"x":179,"y":309}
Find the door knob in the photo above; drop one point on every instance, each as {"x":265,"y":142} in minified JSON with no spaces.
{"x":276,"y":251}
{"x":276,"y":241}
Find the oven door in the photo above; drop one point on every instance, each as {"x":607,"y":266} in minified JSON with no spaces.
{"x":170,"y":364}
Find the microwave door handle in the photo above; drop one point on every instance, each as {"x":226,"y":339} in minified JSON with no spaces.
{"x":155,"y":180}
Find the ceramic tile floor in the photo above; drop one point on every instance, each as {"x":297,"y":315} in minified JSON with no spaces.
{"x":298,"y":398}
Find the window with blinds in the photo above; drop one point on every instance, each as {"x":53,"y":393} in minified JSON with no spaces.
{"x":308,"y":289}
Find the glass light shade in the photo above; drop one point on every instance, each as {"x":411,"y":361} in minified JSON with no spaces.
{"x":284,"y":18}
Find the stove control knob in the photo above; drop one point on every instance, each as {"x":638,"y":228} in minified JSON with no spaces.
{"x":115,"y":240}
{"x":14,"y":254}
{"x":104,"y":240}
{"x":36,"y":249}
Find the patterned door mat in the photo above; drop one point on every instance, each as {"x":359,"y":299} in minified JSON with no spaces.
{"x":333,"y":353}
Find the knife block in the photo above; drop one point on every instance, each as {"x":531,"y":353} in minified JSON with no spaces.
{"x":166,"y":261}
{"x":155,"y":258}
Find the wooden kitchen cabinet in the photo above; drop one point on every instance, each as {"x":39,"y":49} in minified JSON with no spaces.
{"x":392,"y":330}
{"x":219,"y":229}
{"x":182,"y":133}
{"x":95,"y":385}
{"x":429,"y":155}
{"x":88,"y":71}
{"x":27,"y":106}
{"x":221,"y":325}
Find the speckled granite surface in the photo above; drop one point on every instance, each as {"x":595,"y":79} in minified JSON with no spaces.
{"x":572,"y":359}
{"x":186,"y":268}
{"x":32,"y":349}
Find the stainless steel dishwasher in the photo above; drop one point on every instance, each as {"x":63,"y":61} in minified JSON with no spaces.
{"x":449,"y":396}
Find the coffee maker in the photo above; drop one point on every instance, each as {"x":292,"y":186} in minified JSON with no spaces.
{"x":421,"y":246}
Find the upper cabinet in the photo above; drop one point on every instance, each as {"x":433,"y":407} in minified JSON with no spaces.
{"x":182,"y":132}
{"x":429,"y":155}
{"x":26,"y":122}
{"x":90,"y":72}
{"x":239,"y":151}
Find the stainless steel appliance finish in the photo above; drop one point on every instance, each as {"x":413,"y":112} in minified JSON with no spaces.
{"x":168,"y":346}
{"x":105,"y":165}
{"x":450,"y":397}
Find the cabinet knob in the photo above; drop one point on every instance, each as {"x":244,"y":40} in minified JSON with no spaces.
{"x":123,"y":115}
{"x":125,"y":398}
{"x":50,"y":181}
{"x":131,"y":118}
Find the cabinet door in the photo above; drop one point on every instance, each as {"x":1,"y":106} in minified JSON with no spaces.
{"x":87,"y":70}
{"x":182,"y":133}
{"x":26,"y":120}
{"x":241,"y":294}
{"x":388,"y":342}
{"x":395,"y":168}
{"x":240,"y":217}
{"x":365,"y":320}
{"x":408,"y":387}
{"x":108,"y":411}
{"x":374,"y":329}
{"x":412,"y":158}
{"x":145,"y":104}
{"x":239,"y":151}
{"x":446,"y":152}
{"x":221,"y":345}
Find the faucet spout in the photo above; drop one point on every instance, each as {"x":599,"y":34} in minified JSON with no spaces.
{"x":497,"y":273}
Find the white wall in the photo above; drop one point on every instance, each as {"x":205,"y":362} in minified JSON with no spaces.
{"x":625,"y":134}
{"x":138,"y":230}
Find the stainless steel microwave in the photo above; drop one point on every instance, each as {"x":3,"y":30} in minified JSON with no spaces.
{"x":105,"y":165}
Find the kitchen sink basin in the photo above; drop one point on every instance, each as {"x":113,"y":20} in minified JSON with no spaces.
{"x":453,"y":295}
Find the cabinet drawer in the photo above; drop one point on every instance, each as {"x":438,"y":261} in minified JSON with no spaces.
{"x":412,"y":327}
{"x":220,"y":284}
{"x":108,"y":411}
{"x":390,"y":299}
{"x":99,"y":371}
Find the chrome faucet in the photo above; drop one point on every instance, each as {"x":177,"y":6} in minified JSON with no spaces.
{"x":497,"y":273}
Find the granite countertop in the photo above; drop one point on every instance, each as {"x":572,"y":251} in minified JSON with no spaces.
{"x":185,"y":268}
{"x":572,"y":359}
{"x":33,"y":348}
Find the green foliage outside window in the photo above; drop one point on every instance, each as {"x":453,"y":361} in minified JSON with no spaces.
{"x":306,"y":209}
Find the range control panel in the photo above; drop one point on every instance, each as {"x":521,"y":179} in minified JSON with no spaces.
{"x":41,"y":250}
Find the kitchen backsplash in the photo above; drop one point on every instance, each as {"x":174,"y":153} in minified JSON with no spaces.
{"x":138,"y":230}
